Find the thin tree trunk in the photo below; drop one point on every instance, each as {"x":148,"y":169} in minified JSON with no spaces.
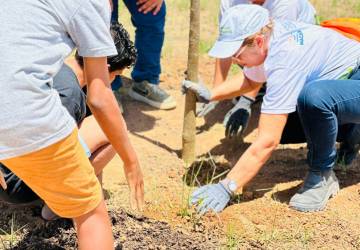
{"x":189,"y":126}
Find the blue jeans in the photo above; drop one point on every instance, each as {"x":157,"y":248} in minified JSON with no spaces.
{"x":149,"y":39}
{"x":324,"y":107}
{"x":116,"y":84}
{"x":115,"y":13}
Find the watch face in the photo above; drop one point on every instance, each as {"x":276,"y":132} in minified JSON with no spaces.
{"x":232,"y":186}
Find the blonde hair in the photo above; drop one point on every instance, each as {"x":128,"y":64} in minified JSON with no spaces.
{"x":266,"y":30}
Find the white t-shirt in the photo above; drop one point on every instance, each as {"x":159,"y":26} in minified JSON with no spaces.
{"x":300,"y":53}
{"x":36,"y":37}
{"x":226,"y":4}
{"x":295,"y":10}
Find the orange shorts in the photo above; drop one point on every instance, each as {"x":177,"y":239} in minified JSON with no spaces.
{"x":61,"y":175}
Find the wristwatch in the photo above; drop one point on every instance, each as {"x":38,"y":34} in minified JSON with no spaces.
{"x":230,"y":185}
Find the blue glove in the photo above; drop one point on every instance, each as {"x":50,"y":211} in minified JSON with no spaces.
{"x":213,"y":197}
{"x":202,"y":93}
{"x":237,"y":119}
{"x":202,"y":109}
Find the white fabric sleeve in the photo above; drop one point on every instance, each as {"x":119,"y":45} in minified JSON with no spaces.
{"x":256,"y":74}
{"x":89,"y":28}
{"x":286,"y":9}
{"x":283,"y":88}
{"x":226,"y":4}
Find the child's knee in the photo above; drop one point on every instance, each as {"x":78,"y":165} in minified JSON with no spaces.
{"x":99,"y":211}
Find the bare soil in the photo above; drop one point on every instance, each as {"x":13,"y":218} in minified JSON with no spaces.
{"x":130,"y":232}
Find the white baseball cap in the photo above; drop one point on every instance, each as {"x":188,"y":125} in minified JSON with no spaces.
{"x":238,"y":23}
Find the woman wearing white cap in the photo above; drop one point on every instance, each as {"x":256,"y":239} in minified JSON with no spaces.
{"x":303,"y":65}
{"x":236,"y":119}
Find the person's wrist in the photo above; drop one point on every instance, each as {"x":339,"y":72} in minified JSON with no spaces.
{"x":244,"y":103}
{"x":248,"y":100}
{"x":230,"y":185}
{"x":210,"y":96}
{"x":131,"y":163}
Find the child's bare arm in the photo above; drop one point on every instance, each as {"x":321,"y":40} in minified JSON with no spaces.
{"x":105,"y":109}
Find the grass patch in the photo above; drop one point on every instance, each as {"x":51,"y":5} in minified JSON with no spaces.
{"x":233,"y":241}
{"x":9,"y":239}
{"x":204,"y":46}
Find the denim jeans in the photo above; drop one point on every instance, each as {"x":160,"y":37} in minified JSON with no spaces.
{"x":115,"y":12}
{"x":116,"y":84}
{"x":323,"y":107}
{"x":149,"y":39}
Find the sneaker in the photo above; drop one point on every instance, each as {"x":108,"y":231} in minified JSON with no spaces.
{"x":346,"y":154}
{"x":151,"y":94}
{"x":317,"y":189}
{"x":118,"y":99}
{"x":48,"y":214}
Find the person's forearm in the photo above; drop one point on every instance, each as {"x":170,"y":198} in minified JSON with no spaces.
{"x":233,"y":87}
{"x":222,"y":67}
{"x":108,"y":115}
{"x":271,"y":127}
{"x":251,"y":162}
{"x":105,"y":109}
{"x":253,"y":93}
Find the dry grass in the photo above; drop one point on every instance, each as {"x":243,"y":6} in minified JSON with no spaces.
{"x":337,"y":8}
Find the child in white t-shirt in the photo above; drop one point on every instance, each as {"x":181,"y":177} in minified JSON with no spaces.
{"x":38,"y":137}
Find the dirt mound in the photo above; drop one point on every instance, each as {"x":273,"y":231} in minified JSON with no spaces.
{"x":130,"y":232}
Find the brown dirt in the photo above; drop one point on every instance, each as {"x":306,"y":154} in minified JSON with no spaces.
{"x":130,"y":232}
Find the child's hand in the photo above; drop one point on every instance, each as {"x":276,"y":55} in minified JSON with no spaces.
{"x":149,"y":5}
{"x":135,"y":181}
{"x":2,"y":181}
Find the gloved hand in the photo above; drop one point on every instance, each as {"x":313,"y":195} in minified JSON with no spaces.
{"x":236,"y":120}
{"x":202,"y":93}
{"x":202,"y":109}
{"x":210,"y":197}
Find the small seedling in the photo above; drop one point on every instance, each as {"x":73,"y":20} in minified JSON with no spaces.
{"x":9,"y":239}
{"x":232,"y":240}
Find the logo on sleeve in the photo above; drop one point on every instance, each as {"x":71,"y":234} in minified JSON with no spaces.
{"x":296,"y":35}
